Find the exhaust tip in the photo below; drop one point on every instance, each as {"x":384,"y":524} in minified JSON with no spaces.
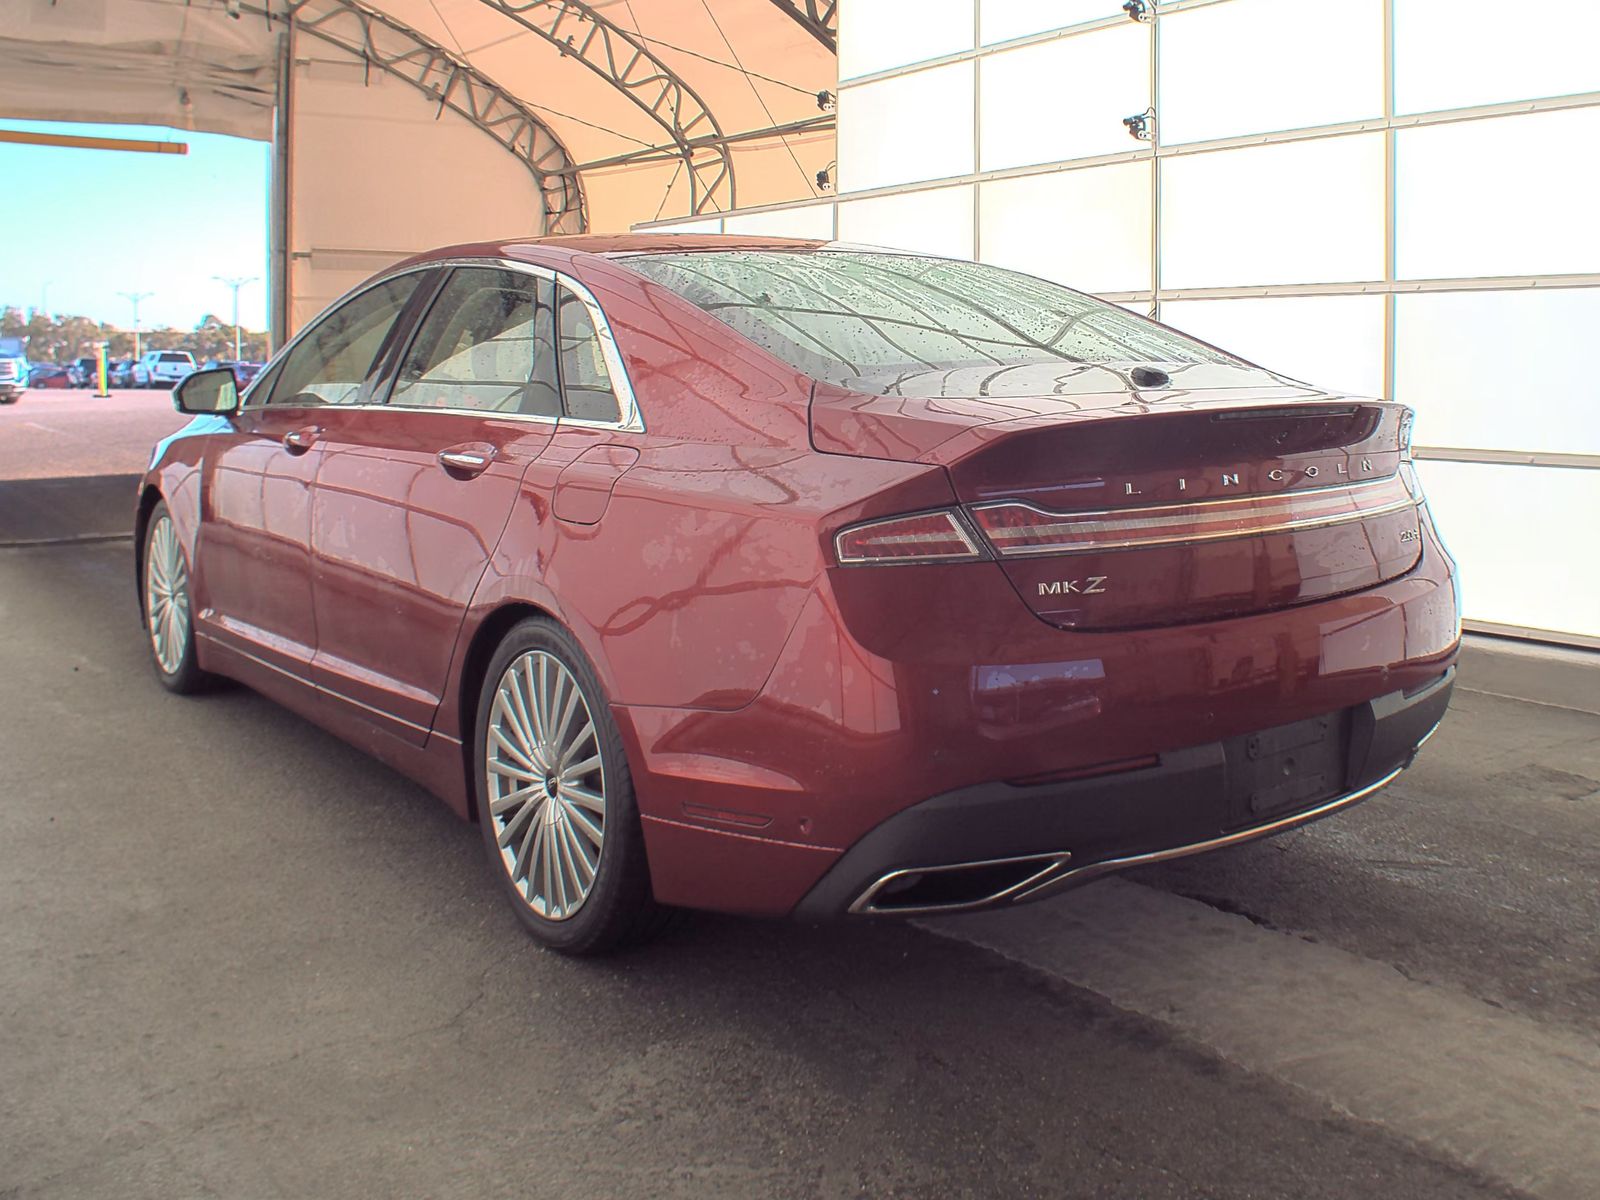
{"x":956,"y":887}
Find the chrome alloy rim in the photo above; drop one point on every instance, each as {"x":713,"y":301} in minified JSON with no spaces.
{"x":547,"y":785}
{"x":166,"y":596}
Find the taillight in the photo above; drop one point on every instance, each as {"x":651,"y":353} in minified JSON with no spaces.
{"x":1015,"y":528}
{"x":923,"y":537}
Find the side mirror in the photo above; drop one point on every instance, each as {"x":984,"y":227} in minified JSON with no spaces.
{"x":209,"y":392}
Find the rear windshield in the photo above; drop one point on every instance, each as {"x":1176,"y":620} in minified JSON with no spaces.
{"x":178,"y":358}
{"x":875,"y":321}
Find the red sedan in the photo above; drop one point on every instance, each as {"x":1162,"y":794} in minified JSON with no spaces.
{"x":788,"y":578}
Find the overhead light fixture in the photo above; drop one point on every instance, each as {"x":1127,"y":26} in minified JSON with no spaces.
{"x":825,"y":100}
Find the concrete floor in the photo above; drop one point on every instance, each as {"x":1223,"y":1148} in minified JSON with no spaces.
{"x":239,"y":959}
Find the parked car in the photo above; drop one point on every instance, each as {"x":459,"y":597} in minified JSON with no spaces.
{"x":84,"y":372}
{"x":243,"y":372}
{"x":162,"y":368}
{"x":119,"y":373}
{"x":13,"y":370}
{"x":47,"y":376}
{"x":786,"y":578}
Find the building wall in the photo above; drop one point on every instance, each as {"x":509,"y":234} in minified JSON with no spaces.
{"x":1393,"y":197}
{"x":377,"y":173}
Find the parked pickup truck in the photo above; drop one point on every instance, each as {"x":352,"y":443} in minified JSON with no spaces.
{"x":13,"y":370}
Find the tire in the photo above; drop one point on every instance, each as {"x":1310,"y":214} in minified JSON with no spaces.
{"x":164,"y":577}
{"x":570,"y":825}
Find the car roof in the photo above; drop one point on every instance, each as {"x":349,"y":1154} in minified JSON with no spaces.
{"x":618,"y":245}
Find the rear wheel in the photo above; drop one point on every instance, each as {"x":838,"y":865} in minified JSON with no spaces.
{"x":555,"y":797}
{"x":168,"y":615}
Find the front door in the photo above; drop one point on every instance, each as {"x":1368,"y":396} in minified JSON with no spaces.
{"x":254,"y":545}
{"x":411,"y":497}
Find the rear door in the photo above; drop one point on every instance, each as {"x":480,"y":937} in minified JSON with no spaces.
{"x":254,"y":548}
{"x":412,"y":494}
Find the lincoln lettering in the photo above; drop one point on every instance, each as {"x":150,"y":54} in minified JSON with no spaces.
{"x":1231,"y":479}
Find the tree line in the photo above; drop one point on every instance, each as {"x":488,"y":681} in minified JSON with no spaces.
{"x":60,"y":339}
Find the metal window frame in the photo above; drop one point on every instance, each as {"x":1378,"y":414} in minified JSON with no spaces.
{"x":632,"y":418}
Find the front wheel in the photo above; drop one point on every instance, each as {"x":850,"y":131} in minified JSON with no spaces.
{"x":168,"y":615}
{"x":555,"y":798}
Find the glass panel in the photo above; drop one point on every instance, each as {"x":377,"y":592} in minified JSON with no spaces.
{"x":1007,"y":19}
{"x":1088,"y":229}
{"x":907,"y":129}
{"x":331,"y":362}
{"x":912,"y":325}
{"x":1333,"y":342}
{"x":1500,"y":370}
{"x":1490,"y":51}
{"x":1301,"y":212}
{"x":477,"y":348}
{"x":938,"y":221}
{"x":1064,"y":99}
{"x":1503,"y":196}
{"x":585,"y":381}
{"x":812,"y":221}
{"x":877,"y":35}
{"x":1250,"y":66}
{"x":1511,"y":529}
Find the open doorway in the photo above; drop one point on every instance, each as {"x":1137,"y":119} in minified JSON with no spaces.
{"x":145,"y":243}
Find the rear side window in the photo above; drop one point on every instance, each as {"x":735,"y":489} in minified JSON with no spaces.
{"x":486,"y":345}
{"x":585,"y":380}
{"x":331,"y":362}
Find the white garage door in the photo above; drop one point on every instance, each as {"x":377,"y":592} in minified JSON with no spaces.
{"x":1393,"y":197}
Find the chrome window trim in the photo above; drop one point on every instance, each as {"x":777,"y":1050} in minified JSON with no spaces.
{"x":632,"y":420}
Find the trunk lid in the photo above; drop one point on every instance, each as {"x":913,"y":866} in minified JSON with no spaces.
{"x":1230,"y":491}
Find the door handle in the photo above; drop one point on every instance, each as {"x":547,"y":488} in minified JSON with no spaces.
{"x":466,"y":464}
{"x":298,"y":441}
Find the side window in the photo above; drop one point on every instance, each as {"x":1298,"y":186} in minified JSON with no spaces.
{"x":585,"y":381}
{"x":485,"y":346}
{"x":331,"y":362}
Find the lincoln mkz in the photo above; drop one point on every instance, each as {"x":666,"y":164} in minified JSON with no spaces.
{"x":790,"y":578}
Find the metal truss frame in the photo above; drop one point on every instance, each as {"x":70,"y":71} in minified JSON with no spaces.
{"x":380,"y":41}
{"x":578,"y":31}
{"x":819,"y":18}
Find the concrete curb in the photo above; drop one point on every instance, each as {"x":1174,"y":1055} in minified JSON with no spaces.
{"x":96,"y":507}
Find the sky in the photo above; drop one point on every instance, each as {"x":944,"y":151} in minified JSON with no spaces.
{"x":79,"y":226}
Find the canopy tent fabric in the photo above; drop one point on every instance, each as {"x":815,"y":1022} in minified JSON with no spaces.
{"x":648,"y":104}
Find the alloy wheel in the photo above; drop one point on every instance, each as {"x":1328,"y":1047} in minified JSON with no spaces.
{"x":546,"y":784}
{"x":166,"y":596}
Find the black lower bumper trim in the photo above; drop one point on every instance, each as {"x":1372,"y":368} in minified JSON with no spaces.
{"x":1193,"y":800}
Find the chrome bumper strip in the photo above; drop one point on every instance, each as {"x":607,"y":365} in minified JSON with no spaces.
{"x":1055,"y":875}
{"x":1090,"y":871}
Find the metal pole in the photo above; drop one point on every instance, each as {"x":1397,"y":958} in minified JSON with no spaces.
{"x":136,"y":297}
{"x":235,"y":284}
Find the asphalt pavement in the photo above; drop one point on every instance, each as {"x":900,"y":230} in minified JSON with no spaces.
{"x":238,"y":958}
{"x":67,"y":432}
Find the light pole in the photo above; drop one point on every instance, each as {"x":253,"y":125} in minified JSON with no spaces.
{"x":136,"y":297}
{"x":235,"y":284}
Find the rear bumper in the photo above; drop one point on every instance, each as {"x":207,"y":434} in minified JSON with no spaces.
{"x":1000,"y":844}
{"x":919,"y":733}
